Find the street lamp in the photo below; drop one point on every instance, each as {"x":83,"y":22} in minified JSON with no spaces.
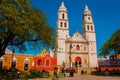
{"x":70,"y":55}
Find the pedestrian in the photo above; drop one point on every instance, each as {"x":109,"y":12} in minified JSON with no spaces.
{"x":82,"y":72}
{"x":71,"y":72}
{"x":63,"y":71}
{"x":55,"y":72}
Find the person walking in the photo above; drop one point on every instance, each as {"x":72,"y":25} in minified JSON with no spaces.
{"x":71,"y":72}
{"x":55,"y":73}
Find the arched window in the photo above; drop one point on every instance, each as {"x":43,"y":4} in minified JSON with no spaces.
{"x":63,"y":16}
{"x":26,"y":64}
{"x":39,"y":62}
{"x":87,"y":27}
{"x":61,"y":24}
{"x":91,"y":27}
{"x":65,"y":24}
{"x":88,"y":18}
{"x":47,"y":62}
{"x":77,"y":47}
{"x":13,"y":64}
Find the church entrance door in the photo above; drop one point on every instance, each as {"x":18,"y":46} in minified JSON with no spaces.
{"x":77,"y":61}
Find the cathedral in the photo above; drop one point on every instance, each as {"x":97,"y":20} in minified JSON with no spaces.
{"x":80,"y":48}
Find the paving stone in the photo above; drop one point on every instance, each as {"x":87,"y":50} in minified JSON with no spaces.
{"x":82,"y":77}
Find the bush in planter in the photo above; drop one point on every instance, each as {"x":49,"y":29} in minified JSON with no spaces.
{"x":44,"y":74}
{"x":99,"y":73}
{"x":34,"y":74}
{"x":9,"y":74}
{"x":115,"y":73}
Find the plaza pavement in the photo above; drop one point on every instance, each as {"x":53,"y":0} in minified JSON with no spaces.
{"x":82,"y":77}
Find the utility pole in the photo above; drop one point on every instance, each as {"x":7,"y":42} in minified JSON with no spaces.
{"x":70,"y":55}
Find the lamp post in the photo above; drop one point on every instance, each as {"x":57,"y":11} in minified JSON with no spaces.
{"x":70,"y":55}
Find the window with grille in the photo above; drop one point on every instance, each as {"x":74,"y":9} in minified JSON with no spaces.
{"x":39,"y":62}
{"x":77,"y":47}
{"x":26,"y":65}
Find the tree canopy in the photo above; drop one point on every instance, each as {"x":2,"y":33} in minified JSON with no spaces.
{"x":111,"y":46}
{"x":21,"y":23}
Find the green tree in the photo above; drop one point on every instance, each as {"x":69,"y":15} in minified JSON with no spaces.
{"x":111,"y":46}
{"x":20,"y":24}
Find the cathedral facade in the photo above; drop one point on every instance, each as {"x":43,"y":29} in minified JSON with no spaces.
{"x":79,"y":49}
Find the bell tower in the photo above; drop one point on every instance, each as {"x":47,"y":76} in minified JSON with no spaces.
{"x":62,"y":32}
{"x":90,"y":35}
{"x":88,"y":24}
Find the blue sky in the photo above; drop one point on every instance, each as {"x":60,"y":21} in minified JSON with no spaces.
{"x":106,"y":15}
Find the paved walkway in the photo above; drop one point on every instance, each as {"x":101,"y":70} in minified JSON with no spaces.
{"x":82,"y":77}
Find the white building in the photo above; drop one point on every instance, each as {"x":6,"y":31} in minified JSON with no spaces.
{"x":80,"y":49}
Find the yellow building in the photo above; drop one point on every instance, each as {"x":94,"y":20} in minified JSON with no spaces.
{"x":22,"y":62}
{"x":43,"y":53}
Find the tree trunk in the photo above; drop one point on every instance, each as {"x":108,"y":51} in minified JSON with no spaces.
{"x":5,"y":43}
{"x":2,"y":52}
